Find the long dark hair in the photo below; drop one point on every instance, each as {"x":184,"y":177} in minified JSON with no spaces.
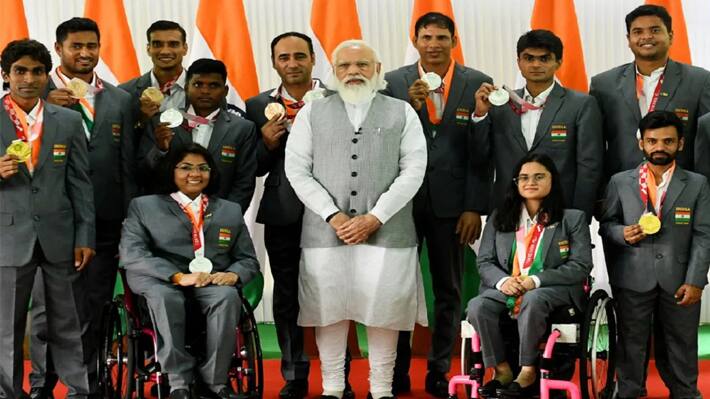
{"x":508,"y":213}
{"x":175,"y":156}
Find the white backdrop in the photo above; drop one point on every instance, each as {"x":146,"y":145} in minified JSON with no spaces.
{"x":488,"y":32}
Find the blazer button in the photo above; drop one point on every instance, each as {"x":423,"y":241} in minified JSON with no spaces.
{"x":353,"y":211}
{"x":353,"y":193}
{"x":354,"y":156}
{"x":35,"y":190}
{"x":659,"y":256}
{"x":353,"y":174}
{"x":355,"y":141}
{"x":36,"y":218}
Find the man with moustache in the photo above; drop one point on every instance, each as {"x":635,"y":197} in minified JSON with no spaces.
{"x":107,"y":126}
{"x":656,"y":231}
{"x":280,"y":210}
{"x":448,"y":207}
{"x":46,"y":218}
{"x":356,"y":159}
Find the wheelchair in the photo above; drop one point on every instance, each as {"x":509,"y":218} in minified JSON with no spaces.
{"x":128,"y":360}
{"x":588,"y":337}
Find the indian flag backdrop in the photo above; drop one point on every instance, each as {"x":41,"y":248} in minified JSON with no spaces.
{"x":332,"y":22}
{"x":680,"y":50}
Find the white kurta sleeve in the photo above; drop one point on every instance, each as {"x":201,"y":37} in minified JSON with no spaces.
{"x":412,"y":166}
{"x":298,"y":165}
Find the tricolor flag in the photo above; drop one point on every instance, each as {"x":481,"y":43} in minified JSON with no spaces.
{"x":118,"y":61}
{"x":422,"y":7}
{"x":682,"y":215}
{"x":223,"y":33}
{"x":13,"y":22}
{"x":332,"y":22}
{"x":680,"y":50}
{"x":560,"y":17}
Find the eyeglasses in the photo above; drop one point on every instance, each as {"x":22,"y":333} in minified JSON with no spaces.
{"x":537,"y":178}
{"x":187,"y":168}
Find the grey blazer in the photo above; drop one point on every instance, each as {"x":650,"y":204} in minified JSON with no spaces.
{"x":679,"y":253}
{"x":230,"y":134}
{"x":156,"y":240}
{"x":576,"y":148}
{"x":685,"y":91}
{"x":455,"y":181}
{"x":565,"y":270}
{"x":55,"y":205}
{"x":702,"y":146}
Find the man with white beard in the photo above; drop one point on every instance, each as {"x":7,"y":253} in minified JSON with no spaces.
{"x":356,"y":159}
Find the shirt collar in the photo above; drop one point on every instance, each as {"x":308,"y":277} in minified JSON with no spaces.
{"x":34,"y":112}
{"x":180,"y":82}
{"x":655,"y":74}
{"x":185,"y":200}
{"x":525,"y":219}
{"x":541,"y":98}
{"x":211,"y":117}
{"x":281,"y":91}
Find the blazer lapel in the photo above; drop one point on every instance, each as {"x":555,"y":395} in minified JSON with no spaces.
{"x":219,"y":130}
{"x":634,"y":191}
{"x":517,"y":129}
{"x":99,"y":112}
{"x":627,"y":87}
{"x":675,"y":188}
{"x":671,"y":80}
{"x":505,"y":248}
{"x":458,"y":85}
{"x":552,"y":105}
{"x":212,"y":207}
{"x":177,"y":211}
{"x":548,"y":239}
{"x":49,"y":133}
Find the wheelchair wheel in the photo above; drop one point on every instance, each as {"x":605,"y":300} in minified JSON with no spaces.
{"x":598,"y":345}
{"x":246,"y":374}
{"x":116,"y":356}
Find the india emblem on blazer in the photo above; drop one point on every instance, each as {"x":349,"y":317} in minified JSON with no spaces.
{"x":225,"y":237}
{"x":228,"y":153}
{"x":116,"y":132}
{"x":682,"y":114}
{"x":682,"y":215}
{"x":558,"y":132}
{"x":59,"y":153}
{"x":462,"y":115}
{"x":564,"y":248}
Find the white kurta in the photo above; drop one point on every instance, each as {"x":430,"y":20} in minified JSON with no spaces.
{"x":375,"y":286}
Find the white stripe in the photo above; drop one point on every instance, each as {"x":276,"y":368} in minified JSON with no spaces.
{"x":323,"y":69}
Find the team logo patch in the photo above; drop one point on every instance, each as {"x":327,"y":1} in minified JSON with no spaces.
{"x":225,"y":237}
{"x":462,"y":115}
{"x":558,"y":132}
{"x":116,"y":132}
{"x":228,"y":153}
{"x":682,"y":215}
{"x":682,"y":113}
{"x":564,"y":248}
{"x":59,"y":153}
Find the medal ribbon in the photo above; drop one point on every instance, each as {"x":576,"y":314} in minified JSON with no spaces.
{"x":198,"y":235}
{"x":648,"y":189}
{"x":656,"y":91}
{"x":531,"y":265}
{"x":445,"y":86}
{"x":292,"y":107}
{"x":165,"y":88}
{"x":519,"y":105}
{"x":19,"y":120}
{"x":84,"y":106}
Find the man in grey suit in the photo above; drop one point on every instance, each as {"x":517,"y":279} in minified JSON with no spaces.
{"x":656,"y":231}
{"x":108,"y":129}
{"x":229,"y":139}
{"x":702,"y":145}
{"x":455,"y":192}
{"x":46,"y":218}
{"x":652,"y":81}
{"x":552,"y":120}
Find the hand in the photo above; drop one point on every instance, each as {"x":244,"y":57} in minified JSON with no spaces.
{"x":481,"y":96}
{"x":337,"y":220}
{"x":358,"y":229}
{"x":163,"y":136}
{"x":512,"y":287}
{"x":272,"y":131}
{"x":468,"y":227}
{"x":225,"y":278}
{"x":148,"y":108}
{"x":527,"y":283}
{"x":197,"y":280}
{"x":418,"y":92}
{"x":688,"y":294}
{"x":8,"y":166}
{"x":633,"y":234}
{"x":82,"y":257}
{"x":62,"y":97}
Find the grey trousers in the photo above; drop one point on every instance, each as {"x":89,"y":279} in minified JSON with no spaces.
{"x":675,"y":339}
{"x":62,"y":290}
{"x":220,"y":304}
{"x":484,"y":313}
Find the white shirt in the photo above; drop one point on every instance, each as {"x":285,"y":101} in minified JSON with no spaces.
{"x":195,"y":206}
{"x":661,"y":189}
{"x":299,"y":163}
{"x":649,"y":87}
{"x":202,"y":133}
{"x":176,"y":99}
{"x":527,"y":223}
{"x":32,"y":118}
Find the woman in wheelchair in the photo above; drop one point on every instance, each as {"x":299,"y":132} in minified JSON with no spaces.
{"x":187,"y":243}
{"x":535,"y":256}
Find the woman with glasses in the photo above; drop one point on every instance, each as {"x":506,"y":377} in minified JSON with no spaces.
{"x":535,"y":256}
{"x":182,"y":243}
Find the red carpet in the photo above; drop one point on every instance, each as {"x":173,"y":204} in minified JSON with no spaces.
{"x":358,"y":379}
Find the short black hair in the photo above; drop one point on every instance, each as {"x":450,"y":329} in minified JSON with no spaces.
{"x":659,"y":119}
{"x":76,"y":24}
{"x":299,"y":35}
{"x":649,"y":10}
{"x":17,"y":49}
{"x":207,"y":65}
{"x":165,"y":25}
{"x":553,"y":206}
{"x":434,"y":18}
{"x":175,"y":156}
{"x":543,"y":39}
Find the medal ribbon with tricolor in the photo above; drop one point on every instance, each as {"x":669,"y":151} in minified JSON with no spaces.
{"x":19,"y":120}
{"x":198,"y":235}
{"x":530,"y":242}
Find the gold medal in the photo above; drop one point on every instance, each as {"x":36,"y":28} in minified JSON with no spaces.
{"x":650,"y":223}
{"x":20,"y":149}
{"x":153,"y":94}
{"x":78,"y":87}
{"x":274,"y":109}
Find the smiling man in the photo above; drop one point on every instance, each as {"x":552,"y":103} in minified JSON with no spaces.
{"x":652,"y":81}
{"x":552,"y":120}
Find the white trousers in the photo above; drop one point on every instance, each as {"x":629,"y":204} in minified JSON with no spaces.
{"x":332,"y":342}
